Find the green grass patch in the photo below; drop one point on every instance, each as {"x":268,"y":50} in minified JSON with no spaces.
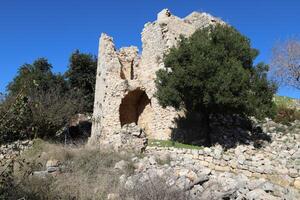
{"x":169,"y":143}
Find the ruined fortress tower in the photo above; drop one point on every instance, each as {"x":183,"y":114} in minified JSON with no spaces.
{"x":125,"y":84}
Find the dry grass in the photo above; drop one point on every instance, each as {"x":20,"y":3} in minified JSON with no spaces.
{"x":86,"y":173}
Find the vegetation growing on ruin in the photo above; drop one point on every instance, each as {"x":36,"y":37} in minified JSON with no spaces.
{"x":213,"y":72}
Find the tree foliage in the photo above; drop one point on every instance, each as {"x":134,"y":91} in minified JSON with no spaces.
{"x":212,"y":72}
{"x":37,"y":75}
{"x":15,"y":120}
{"x":285,"y":63}
{"x":81,"y":76}
{"x":38,"y":103}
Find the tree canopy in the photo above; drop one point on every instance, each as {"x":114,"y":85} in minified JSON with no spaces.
{"x":213,"y":71}
{"x":81,"y":76}
{"x":35,"y":76}
{"x":39,"y":102}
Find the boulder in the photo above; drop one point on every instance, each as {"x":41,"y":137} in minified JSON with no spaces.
{"x":53,"y":165}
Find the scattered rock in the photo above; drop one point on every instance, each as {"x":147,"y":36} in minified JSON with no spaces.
{"x":297,"y":183}
{"x":152,"y":160}
{"x":282,"y":180}
{"x":52,"y":169}
{"x":260,"y":194}
{"x":52,"y":163}
{"x":113,"y":196}
{"x":198,"y":181}
{"x":121,"y":165}
{"x":40,"y":174}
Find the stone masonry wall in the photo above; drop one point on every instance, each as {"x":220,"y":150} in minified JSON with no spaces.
{"x":123,"y":72}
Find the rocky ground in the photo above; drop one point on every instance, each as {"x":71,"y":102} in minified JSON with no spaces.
{"x":201,"y":182}
{"x":243,"y":172}
{"x":8,"y":151}
{"x":257,"y":168}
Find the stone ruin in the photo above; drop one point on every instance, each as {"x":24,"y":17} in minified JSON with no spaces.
{"x":125,"y":84}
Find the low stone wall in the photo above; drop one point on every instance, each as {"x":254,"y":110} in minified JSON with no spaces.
{"x":8,"y":151}
{"x":242,"y":160}
{"x":277,"y":160}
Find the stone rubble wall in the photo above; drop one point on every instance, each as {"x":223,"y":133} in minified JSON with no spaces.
{"x":182,"y":172}
{"x":122,"y":71}
{"x":244,"y":171}
{"x":243,"y":160}
{"x":11,"y":150}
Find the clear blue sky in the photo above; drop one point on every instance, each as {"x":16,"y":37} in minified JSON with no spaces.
{"x":54,"y":28}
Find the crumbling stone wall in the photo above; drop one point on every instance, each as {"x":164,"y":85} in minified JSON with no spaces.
{"x":125,"y":84}
{"x":276,"y":161}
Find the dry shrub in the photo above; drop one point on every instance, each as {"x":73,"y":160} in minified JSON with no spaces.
{"x":286,"y":115}
{"x":153,"y":189}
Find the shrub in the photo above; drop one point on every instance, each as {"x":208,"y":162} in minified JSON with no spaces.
{"x":155,"y":188}
{"x":286,"y":115}
{"x":52,"y":110}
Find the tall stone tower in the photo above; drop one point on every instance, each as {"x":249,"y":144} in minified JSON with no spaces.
{"x":125,"y":84}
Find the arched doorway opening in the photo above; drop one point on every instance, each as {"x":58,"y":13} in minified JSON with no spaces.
{"x":133,"y":107}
